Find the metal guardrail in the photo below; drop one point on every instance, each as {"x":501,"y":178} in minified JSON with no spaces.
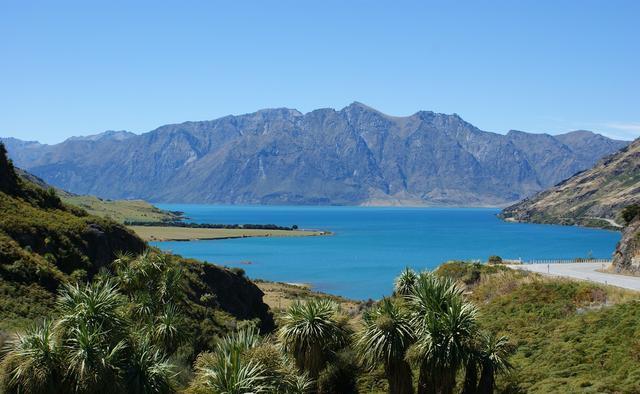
{"x":557,"y":261}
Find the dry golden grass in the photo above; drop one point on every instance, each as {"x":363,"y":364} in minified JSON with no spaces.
{"x":168,"y":233}
{"x":279,"y":296}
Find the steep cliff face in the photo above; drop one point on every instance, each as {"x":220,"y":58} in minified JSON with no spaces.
{"x":356,"y":155}
{"x":593,"y":197}
{"x":626,"y":258}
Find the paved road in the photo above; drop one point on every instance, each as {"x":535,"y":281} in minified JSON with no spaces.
{"x":583,"y":271}
{"x":610,"y":221}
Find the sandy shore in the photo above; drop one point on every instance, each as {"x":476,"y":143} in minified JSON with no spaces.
{"x":169,"y":233}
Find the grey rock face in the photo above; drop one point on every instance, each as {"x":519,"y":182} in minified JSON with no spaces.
{"x":353,"y":156}
{"x":626,"y":258}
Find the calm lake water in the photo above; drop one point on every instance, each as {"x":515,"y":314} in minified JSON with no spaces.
{"x":371,"y":245}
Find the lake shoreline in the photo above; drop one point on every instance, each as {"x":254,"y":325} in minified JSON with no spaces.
{"x":187,"y":234}
{"x":370,"y":245}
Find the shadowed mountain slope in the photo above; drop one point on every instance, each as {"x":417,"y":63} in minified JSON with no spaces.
{"x":600,"y":192}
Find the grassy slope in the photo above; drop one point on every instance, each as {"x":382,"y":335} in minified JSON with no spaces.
{"x":571,"y":336}
{"x":121,"y":210}
{"x":117,"y":210}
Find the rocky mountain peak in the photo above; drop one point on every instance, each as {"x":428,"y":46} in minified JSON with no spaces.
{"x":356,"y":155}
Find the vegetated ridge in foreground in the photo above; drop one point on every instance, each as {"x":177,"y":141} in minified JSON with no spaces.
{"x":570,"y":336}
{"x":465,"y":328}
{"x":593,"y":197}
{"x":45,"y":244}
{"x":280,"y":156}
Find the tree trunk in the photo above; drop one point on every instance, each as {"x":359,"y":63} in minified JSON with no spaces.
{"x":446,"y":382}
{"x":470,"y":378}
{"x":487,"y":380}
{"x":425,"y":380}
{"x":400,"y":378}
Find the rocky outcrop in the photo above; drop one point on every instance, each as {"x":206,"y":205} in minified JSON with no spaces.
{"x":356,"y":155}
{"x":232,"y":292}
{"x":593,"y":197}
{"x":626,"y":258}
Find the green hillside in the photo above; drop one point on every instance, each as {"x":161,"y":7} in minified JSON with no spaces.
{"x":45,"y":243}
{"x":570,"y":336}
{"x":120,"y":211}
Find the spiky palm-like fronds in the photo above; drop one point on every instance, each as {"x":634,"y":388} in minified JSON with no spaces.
{"x":445,"y":325}
{"x":385,"y":338}
{"x":405,"y":282}
{"x":148,"y":370}
{"x":152,"y":281}
{"x":95,"y":305}
{"x":494,"y":353}
{"x":94,"y":360}
{"x":228,"y":374}
{"x":168,"y":330}
{"x":311,"y":332}
{"x":33,"y":362}
{"x":241,"y":340}
{"x":171,"y":285}
{"x":296,"y":383}
{"x":228,"y":371}
{"x":281,"y":373}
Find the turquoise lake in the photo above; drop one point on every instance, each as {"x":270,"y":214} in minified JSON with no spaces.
{"x":371,"y":245}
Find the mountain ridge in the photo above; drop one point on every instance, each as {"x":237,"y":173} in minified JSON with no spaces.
{"x":353,"y":156}
{"x":591,"y":197}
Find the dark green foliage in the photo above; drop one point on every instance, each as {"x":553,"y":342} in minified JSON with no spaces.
{"x":495,"y":260}
{"x":93,"y":347}
{"x":631,"y":212}
{"x":238,"y":271}
{"x":8,"y":177}
{"x":21,"y":304}
{"x":45,"y":244}
{"x":340,"y":375}
{"x":312,"y":332}
{"x":385,"y":338}
{"x":568,"y":337}
{"x":467,"y":273}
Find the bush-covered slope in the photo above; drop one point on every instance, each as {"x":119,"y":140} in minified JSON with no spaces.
{"x":44,"y":243}
{"x":571,"y":336}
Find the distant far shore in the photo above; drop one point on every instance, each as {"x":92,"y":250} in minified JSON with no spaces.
{"x":423,"y":204}
{"x":173,"y":233}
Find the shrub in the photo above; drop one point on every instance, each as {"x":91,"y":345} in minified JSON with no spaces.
{"x":631,"y":212}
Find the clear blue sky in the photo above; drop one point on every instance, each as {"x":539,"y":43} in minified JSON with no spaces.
{"x":78,"y":68}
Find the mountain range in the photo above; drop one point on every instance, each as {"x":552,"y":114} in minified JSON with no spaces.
{"x":353,"y":156}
